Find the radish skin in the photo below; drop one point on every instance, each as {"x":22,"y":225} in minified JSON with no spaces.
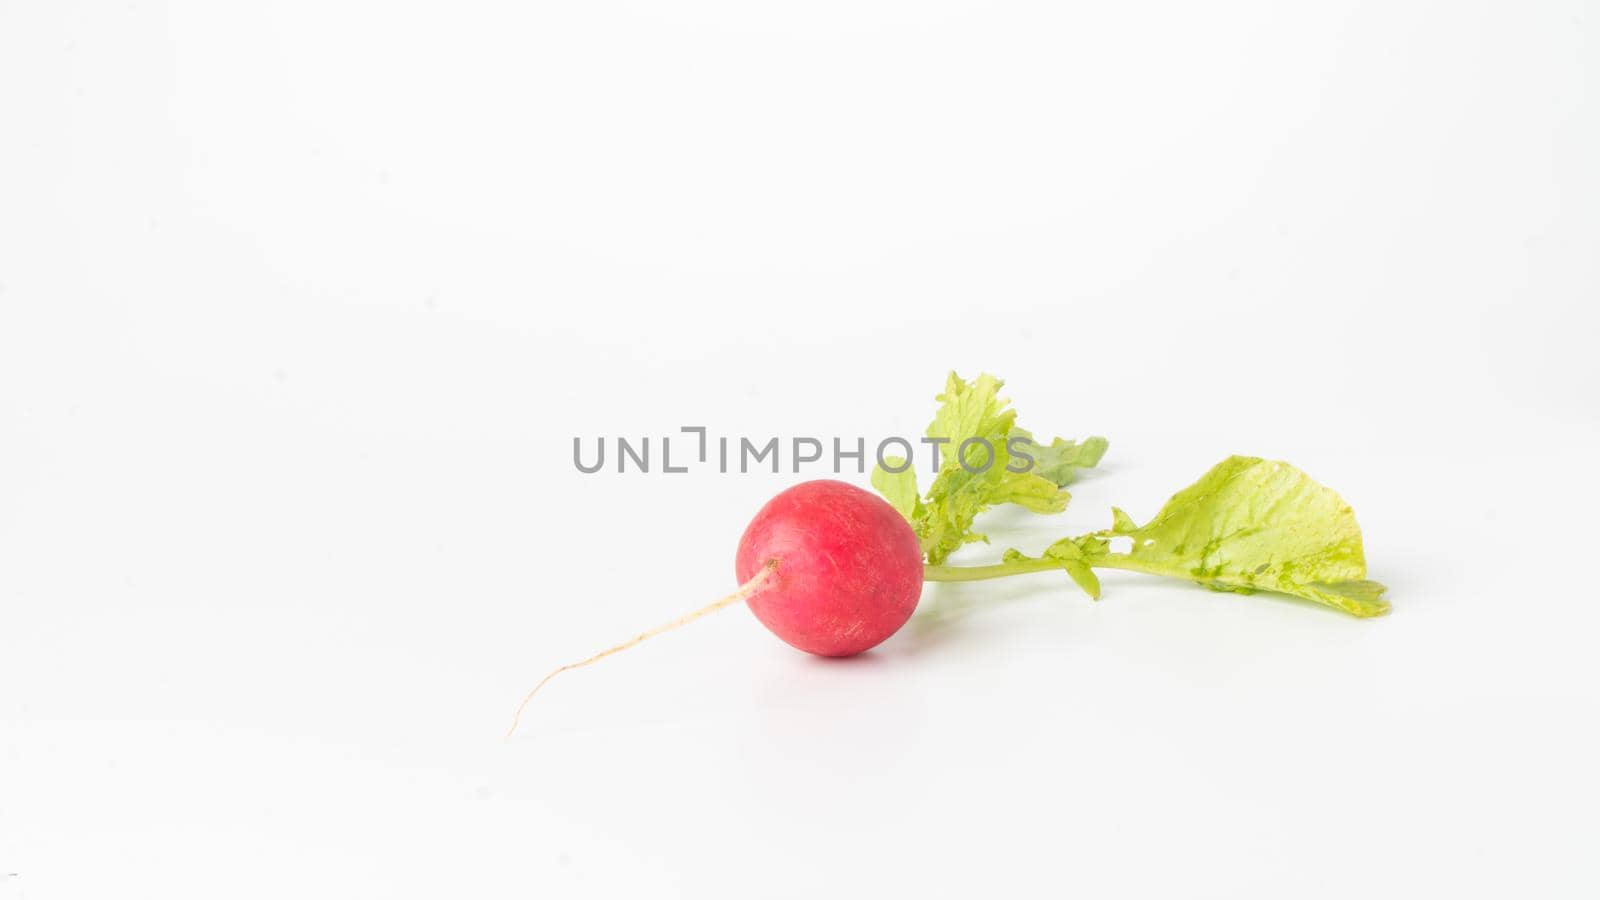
{"x":847,"y":568}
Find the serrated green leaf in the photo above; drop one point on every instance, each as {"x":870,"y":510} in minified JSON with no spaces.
{"x":1252,"y":524}
{"x":899,"y":488}
{"x":972,"y":415}
{"x":1060,"y":461}
{"x":1075,"y":556}
{"x":1030,"y":492}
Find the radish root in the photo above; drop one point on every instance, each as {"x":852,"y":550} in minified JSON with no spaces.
{"x":744,"y":592}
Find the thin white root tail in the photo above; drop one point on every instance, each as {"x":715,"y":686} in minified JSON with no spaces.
{"x":744,"y":592}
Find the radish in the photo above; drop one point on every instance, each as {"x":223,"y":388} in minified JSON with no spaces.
{"x":846,"y":569}
{"x":834,"y":570}
{"x":826,"y":566}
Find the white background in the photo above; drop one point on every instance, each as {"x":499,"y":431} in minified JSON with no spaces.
{"x":302,"y":303}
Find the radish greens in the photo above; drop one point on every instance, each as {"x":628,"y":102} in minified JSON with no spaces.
{"x":1246,"y":525}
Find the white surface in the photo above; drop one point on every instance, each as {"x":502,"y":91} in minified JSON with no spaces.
{"x":302,"y":303}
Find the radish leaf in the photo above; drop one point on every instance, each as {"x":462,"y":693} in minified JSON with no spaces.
{"x":1249,"y":524}
{"x":899,"y":488}
{"x":974,"y":429}
{"x":1061,"y":459}
{"x":1254,"y":524}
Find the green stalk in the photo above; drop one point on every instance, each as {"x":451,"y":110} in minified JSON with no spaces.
{"x":981,"y":573}
{"x":1025,"y":566}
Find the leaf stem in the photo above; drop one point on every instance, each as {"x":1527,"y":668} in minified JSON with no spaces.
{"x":982,"y":573}
{"x":1026,"y":566}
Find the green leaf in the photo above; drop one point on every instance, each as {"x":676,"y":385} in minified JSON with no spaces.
{"x":899,"y":488}
{"x":1029,"y":491}
{"x":1074,"y":555}
{"x":1252,"y":524}
{"x":973,"y":415}
{"x":1076,"y":559}
{"x":1060,"y":461}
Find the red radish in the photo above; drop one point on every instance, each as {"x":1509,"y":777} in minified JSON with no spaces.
{"x":847,"y":568}
{"x":826,"y":566}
